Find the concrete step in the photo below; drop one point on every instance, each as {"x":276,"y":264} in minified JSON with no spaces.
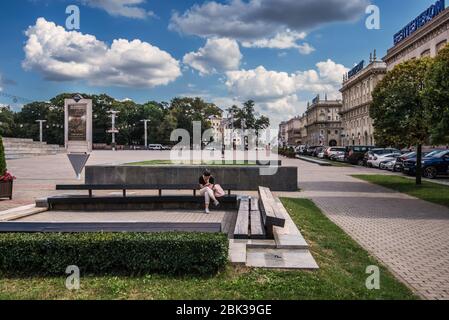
{"x":17,"y":140}
{"x":20,"y":212}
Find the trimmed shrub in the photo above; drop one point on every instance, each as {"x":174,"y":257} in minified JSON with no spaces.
{"x":113,"y":253}
{"x":2,"y":158}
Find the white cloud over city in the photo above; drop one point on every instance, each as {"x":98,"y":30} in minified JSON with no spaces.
{"x":280,"y":93}
{"x":124,"y":8}
{"x":277,"y":24}
{"x":62,"y":55}
{"x":217,"y":55}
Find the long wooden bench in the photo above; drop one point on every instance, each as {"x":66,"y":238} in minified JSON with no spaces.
{"x":256,"y":219}
{"x":272,"y":216}
{"x":125,"y":187}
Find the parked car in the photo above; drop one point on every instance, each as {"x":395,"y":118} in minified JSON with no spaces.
{"x":388,"y":166}
{"x":356,"y":154}
{"x":370,"y":155}
{"x":376,"y":160}
{"x":433,"y":165}
{"x":310,"y":151}
{"x":318,"y":150}
{"x":157,"y":147}
{"x":333,"y":150}
{"x":338,"y":155}
{"x":399,"y":165}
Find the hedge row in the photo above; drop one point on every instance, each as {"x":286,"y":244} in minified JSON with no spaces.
{"x":113,"y":253}
{"x":287,"y":152}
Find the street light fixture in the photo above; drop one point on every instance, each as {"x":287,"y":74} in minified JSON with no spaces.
{"x":145,"y":122}
{"x":113,"y":131}
{"x":41,"y":122}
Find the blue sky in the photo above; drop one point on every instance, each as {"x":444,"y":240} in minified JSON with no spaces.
{"x":279,"y":53}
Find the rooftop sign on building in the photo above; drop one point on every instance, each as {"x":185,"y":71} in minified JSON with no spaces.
{"x":420,"y":21}
{"x":356,"y":69}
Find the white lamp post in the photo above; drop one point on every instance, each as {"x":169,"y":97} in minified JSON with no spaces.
{"x":41,"y":122}
{"x":145,"y":123}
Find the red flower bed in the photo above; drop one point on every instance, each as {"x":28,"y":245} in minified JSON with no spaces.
{"x":7,"y":177}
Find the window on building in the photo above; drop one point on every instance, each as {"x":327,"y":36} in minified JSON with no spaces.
{"x":426,"y":53}
{"x":441,"y":45}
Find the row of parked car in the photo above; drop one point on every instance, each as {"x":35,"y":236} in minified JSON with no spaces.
{"x":434,"y":162}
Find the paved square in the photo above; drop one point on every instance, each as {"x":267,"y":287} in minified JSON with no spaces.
{"x":410,"y":236}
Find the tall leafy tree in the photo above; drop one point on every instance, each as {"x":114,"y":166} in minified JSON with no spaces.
{"x":436,"y":97}
{"x":400,"y":118}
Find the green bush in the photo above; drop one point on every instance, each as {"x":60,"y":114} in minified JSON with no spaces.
{"x":2,"y":158}
{"x":113,"y":253}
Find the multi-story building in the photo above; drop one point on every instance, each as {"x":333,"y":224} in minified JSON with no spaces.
{"x":323,"y":122}
{"x":424,"y":36}
{"x":357,"y":89}
{"x":216,"y":126}
{"x":283,"y":134}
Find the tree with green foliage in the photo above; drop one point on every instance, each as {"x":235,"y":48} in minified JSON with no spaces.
{"x":6,"y":122}
{"x":436,"y":97}
{"x":2,"y":158}
{"x":246,"y":116}
{"x":398,"y":111}
{"x":184,"y":111}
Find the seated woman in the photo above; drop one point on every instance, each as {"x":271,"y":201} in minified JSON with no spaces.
{"x":209,"y":189}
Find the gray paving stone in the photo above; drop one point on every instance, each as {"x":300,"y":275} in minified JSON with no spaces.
{"x":280,"y":259}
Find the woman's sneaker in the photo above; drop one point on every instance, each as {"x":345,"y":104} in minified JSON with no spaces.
{"x":207,"y":211}
{"x":216,"y":203}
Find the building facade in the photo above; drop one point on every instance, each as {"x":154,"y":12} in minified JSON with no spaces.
{"x":283,"y":135}
{"x":424,"y":36}
{"x":357,"y":98}
{"x":323,"y":122}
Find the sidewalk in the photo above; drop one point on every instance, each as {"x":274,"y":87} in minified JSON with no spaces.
{"x":410,"y":236}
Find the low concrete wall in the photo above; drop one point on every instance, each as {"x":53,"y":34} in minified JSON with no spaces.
{"x":248,"y":178}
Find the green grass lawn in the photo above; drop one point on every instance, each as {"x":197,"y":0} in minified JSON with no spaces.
{"x":342,"y":275}
{"x":432,"y":192}
{"x":189,"y":163}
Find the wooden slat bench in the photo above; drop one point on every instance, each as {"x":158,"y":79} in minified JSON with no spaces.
{"x":257,"y":217}
{"x":124,"y":187}
{"x":241,"y":230}
{"x":272,"y":216}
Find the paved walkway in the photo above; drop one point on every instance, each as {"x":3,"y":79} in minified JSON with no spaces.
{"x":408,"y":235}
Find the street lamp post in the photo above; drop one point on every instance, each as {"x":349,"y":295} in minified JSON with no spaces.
{"x":145,"y":123}
{"x":41,"y":136}
{"x":113,"y":131}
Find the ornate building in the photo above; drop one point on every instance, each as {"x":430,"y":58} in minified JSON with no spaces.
{"x":357,"y":90}
{"x":323,"y":123}
{"x":424,"y":36}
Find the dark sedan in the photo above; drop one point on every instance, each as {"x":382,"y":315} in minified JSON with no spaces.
{"x":433,"y":166}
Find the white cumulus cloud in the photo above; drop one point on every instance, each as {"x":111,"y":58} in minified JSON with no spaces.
{"x":285,"y":40}
{"x":278,"y":93}
{"x":62,"y":55}
{"x":217,"y":55}
{"x":265,"y":23}
{"x":124,"y":8}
